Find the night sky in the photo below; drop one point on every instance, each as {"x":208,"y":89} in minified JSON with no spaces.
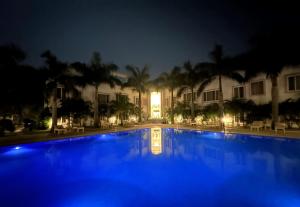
{"x":160,"y":33}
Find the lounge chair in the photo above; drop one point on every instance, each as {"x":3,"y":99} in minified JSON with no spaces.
{"x":268,"y":124}
{"x":257,"y":125}
{"x":59,"y":130}
{"x":77,"y":128}
{"x":126,"y":123}
{"x":280,"y":126}
{"x":104,"y":124}
{"x":193,"y":123}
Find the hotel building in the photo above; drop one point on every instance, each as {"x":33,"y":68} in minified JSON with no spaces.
{"x":155,"y":103}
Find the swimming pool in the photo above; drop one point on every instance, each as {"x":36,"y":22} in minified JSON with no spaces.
{"x":152,"y":167}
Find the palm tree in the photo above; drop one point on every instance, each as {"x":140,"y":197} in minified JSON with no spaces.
{"x":122,"y":108}
{"x":74,"y":107}
{"x":189,"y":80}
{"x":95,"y":74}
{"x":138,"y":80}
{"x":170,"y":81}
{"x":270,"y":52}
{"x":219,"y":67}
{"x":56,"y":74}
{"x":14,"y":80}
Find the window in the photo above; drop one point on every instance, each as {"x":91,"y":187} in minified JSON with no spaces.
{"x":121,"y":97}
{"x":166,"y":102}
{"x":211,"y":95}
{"x":61,"y":93}
{"x":174,"y":100}
{"x":293,"y":83}
{"x":257,"y":88}
{"x":103,"y":98}
{"x":188,"y":97}
{"x":136,"y":100}
{"x":238,"y":92}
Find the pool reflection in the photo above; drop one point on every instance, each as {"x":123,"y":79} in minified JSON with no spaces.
{"x":156,"y":141}
{"x":155,"y":167}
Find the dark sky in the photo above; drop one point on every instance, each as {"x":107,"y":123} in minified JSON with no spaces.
{"x":160,"y":33}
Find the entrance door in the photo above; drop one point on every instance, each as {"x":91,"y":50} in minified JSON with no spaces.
{"x":155,"y":105}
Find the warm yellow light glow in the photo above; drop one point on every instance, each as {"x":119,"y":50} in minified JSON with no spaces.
{"x":199,"y":119}
{"x":178,"y":119}
{"x":227,"y":119}
{"x":155,"y":105}
{"x":156,"y":142}
{"x":133,"y":118}
{"x":49,"y":123}
{"x":112,"y":119}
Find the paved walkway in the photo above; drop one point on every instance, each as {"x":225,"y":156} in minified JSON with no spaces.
{"x":44,"y":135}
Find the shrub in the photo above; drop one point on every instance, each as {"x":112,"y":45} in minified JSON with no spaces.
{"x":6,"y":124}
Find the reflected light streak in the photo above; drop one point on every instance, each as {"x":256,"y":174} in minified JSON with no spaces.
{"x":156,"y":141}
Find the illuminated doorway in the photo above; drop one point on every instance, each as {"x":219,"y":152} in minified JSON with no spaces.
{"x":155,"y":105}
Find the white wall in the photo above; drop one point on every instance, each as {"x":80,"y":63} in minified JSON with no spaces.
{"x":229,"y":84}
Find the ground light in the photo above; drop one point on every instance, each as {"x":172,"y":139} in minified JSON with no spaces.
{"x":227,"y":119}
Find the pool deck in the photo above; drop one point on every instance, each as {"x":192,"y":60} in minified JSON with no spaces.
{"x":45,"y":135}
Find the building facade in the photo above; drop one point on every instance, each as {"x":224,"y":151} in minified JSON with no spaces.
{"x":155,"y":103}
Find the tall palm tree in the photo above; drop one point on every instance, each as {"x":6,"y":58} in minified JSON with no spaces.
{"x":56,"y":73}
{"x":270,"y":52}
{"x":219,"y":67}
{"x":122,"y":108}
{"x":192,"y":79}
{"x":170,"y":81}
{"x":14,"y":80}
{"x":138,"y":80}
{"x":95,"y":74}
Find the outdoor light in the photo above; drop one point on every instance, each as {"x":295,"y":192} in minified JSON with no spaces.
{"x":49,"y":123}
{"x":178,"y":118}
{"x":133,"y":118}
{"x":112,"y":119}
{"x":17,"y":147}
{"x":227,"y":119}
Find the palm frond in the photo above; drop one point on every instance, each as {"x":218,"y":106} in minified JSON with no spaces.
{"x":181,"y":90}
{"x":203,"y":85}
{"x":132,"y":70}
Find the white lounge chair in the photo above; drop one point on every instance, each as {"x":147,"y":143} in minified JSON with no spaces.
{"x":257,"y":125}
{"x":268,"y":124}
{"x":60,"y":130}
{"x":104,"y":124}
{"x":280,"y":126}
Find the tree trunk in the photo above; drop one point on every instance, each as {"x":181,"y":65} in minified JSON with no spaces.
{"x":172,"y":107}
{"x":221,"y":102}
{"x":96,"y":112}
{"x":54,"y":109}
{"x":274,"y":99}
{"x":140,"y":106}
{"x":192,"y":106}
{"x":122,"y":118}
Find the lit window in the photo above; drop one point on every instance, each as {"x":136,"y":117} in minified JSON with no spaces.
{"x":293,"y":83}
{"x":211,"y":95}
{"x":257,"y":88}
{"x":238,"y":92}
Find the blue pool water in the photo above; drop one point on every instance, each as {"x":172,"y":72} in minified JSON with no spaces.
{"x":152,"y":167}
